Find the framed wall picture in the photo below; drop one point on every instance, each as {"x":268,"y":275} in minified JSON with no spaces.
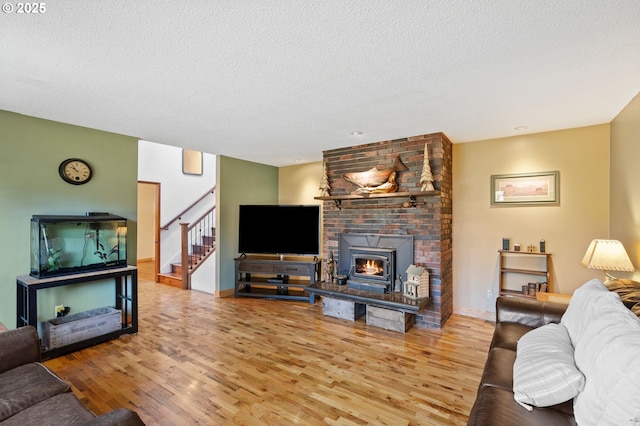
{"x":525,"y":188}
{"x":191,"y":162}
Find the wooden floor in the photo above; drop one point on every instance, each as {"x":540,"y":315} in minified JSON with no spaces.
{"x":204,"y":360}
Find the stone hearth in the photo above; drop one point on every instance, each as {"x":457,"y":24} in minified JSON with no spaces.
{"x":428,"y":222}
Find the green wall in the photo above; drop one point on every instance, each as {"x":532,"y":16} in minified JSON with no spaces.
{"x":31,"y":150}
{"x":238,"y":182}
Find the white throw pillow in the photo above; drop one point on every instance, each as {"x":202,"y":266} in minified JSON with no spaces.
{"x":544,"y":372}
{"x":583,"y":311}
{"x":609,"y":356}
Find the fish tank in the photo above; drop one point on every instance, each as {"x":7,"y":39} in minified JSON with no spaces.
{"x":63,"y":245}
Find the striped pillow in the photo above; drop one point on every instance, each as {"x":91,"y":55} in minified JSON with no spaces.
{"x":545,"y":372}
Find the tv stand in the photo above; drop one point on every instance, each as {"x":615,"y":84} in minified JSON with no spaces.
{"x":276,"y":277}
{"x":280,"y":279}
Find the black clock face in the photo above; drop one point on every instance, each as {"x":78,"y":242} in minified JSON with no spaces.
{"x":75,"y":171}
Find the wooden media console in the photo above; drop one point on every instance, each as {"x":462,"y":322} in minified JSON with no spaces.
{"x":268,"y":277}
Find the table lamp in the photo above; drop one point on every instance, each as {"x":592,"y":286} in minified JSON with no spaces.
{"x":607,"y":255}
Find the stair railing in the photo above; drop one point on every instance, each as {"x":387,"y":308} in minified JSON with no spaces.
{"x":197,"y":243}
{"x":179,"y":215}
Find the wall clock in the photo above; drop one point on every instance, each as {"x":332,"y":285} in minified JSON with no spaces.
{"x":75,"y":171}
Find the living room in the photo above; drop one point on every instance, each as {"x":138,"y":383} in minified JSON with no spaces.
{"x":581,"y":155}
{"x":595,"y":161}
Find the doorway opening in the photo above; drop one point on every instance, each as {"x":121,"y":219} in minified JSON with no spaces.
{"x":148,"y":244}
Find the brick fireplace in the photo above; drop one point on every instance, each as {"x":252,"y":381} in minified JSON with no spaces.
{"x":428,"y":222}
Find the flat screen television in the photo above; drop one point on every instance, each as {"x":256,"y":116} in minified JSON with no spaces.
{"x":279,"y":229}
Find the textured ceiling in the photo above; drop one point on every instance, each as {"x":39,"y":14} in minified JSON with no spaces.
{"x":279,"y":81}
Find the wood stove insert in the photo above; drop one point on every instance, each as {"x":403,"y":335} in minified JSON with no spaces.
{"x":374,"y":261}
{"x":372,"y":269}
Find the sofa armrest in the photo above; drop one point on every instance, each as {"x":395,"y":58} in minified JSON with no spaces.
{"x":18,"y":347}
{"x":529,"y":312}
{"x":120,"y":416}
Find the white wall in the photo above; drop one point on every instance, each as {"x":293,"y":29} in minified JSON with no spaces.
{"x":163,"y":164}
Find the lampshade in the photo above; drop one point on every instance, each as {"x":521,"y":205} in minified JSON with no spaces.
{"x":607,"y":255}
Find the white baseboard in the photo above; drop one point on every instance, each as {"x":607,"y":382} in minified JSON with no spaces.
{"x":476,"y":313}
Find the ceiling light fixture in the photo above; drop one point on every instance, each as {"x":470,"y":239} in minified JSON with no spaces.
{"x":357,"y":133}
{"x":520,"y":128}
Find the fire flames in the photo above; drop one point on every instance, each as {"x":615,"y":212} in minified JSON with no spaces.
{"x":371,"y":267}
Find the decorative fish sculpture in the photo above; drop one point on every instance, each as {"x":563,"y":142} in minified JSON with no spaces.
{"x":375,"y":177}
{"x":389,"y":186}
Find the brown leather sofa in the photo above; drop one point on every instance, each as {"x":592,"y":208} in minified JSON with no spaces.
{"x":495,"y":403}
{"x":31,"y":394}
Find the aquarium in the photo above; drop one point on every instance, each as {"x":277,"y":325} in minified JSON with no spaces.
{"x":62,"y":245}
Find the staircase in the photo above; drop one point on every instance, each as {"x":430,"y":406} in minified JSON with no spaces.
{"x":196,"y":255}
{"x":198,"y":242}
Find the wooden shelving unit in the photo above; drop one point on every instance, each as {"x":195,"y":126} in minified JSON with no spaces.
{"x":504,"y":270}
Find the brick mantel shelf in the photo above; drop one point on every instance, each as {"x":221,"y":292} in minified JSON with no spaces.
{"x":412,"y":196}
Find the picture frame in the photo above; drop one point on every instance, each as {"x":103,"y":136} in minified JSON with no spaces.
{"x":191,"y":162}
{"x":526,"y":188}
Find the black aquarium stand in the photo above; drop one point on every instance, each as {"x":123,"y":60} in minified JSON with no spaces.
{"x":126,"y":300}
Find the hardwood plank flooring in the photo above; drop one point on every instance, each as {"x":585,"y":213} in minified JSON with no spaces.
{"x":198,"y":359}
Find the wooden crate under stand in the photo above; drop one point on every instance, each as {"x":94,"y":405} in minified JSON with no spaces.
{"x":74,"y":328}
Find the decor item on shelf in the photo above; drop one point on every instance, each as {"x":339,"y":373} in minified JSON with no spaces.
{"x":607,"y":255}
{"x":525,"y":188}
{"x":330,"y":267}
{"x":426,"y":179}
{"x":389,"y":186}
{"x":516,"y":247}
{"x":375,"y":180}
{"x":542,"y":246}
{"x":417,"y":284}
{"x":398,"y":285}
{"x":324,"y":183}
{"x":531,"y":248}
{"x":506,"y":244}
